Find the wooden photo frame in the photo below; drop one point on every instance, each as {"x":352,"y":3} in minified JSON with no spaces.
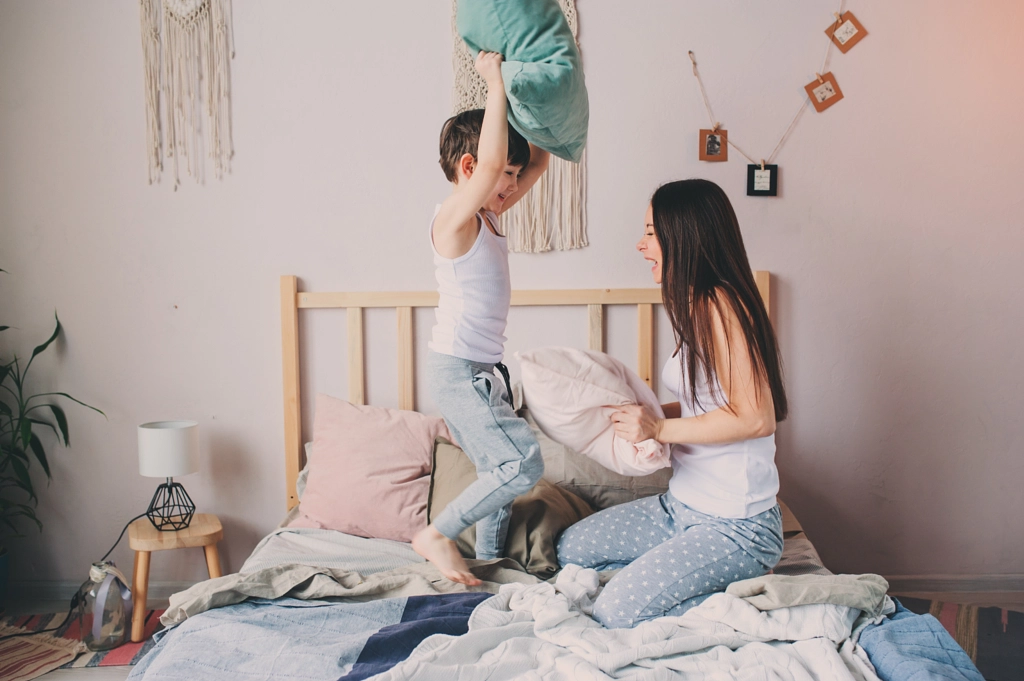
{"x":823,"y":91}
{"x":714,"y":145}
{"x":762,"y":180}
{"x":846,"y":32}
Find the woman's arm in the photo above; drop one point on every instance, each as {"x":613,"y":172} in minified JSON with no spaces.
{"x":749,"y":412}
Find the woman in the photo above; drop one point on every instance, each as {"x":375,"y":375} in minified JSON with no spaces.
{"x":719,"y":522}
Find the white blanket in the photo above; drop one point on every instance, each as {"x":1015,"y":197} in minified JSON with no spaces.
{"x":543,"y":631}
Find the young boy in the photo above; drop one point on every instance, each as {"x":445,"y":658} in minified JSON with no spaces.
{"x":491,"y":167}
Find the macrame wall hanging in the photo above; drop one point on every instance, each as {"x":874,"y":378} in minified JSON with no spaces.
{"x":822,"y":92}
{"x":553,"y":215}
{"x":187,"y":47}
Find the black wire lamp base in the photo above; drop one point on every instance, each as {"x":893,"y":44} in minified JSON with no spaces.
{"x":171,"y":508}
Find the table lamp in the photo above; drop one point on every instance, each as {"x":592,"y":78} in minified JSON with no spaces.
{"x":169,"y":449}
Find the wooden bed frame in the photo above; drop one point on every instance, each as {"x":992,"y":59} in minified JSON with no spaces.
{"x":293,"y":300}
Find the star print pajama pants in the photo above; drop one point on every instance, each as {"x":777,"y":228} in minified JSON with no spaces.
{"x":672,"y":557}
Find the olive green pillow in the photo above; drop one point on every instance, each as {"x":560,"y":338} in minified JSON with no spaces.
{"x":538,"y":517}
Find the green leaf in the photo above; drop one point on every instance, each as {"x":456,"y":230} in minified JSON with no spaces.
{"x":62,"y":421}
{"x":11,"y":450}
{"x":37,"y":449}
{"x":25,"y":431}
{"x":4,"y":328}
{"x":5,"y":410}
{"x":70,"y":398}
{"x":41,"y":348}
{"x":40,"y":422}
{"x":23,"y":477}
{"x":4,"y":370}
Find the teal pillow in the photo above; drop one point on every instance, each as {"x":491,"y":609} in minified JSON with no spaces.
{"x":543,"y":73}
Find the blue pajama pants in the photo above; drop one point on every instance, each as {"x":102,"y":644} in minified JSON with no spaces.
{"x":672,"y":557}
{"x":476,"y":407}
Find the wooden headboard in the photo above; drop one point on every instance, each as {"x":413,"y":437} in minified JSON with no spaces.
{"x":293,"y":300}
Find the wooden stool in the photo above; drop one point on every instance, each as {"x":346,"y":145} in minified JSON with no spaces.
{"x":205,"y":530}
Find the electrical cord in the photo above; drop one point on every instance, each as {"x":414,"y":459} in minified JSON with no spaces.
{"x":74,"y":599}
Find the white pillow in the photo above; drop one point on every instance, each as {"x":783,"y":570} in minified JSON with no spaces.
{"x":572,"y":394}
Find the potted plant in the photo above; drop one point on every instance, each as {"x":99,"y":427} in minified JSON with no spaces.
{"x":22,"y":414}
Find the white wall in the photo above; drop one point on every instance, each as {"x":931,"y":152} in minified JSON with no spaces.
{"x":895,"y":247}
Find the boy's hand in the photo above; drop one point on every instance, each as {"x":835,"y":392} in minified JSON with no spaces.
{"x":488,"y":64}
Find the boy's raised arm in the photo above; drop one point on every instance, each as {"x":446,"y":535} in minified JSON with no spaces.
{"x":492,"y":154}
{"x":528,"y":177}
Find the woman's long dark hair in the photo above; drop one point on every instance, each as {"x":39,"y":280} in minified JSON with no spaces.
{"x":704,"y":264}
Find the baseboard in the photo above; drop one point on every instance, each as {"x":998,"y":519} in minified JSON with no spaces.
{"x":954,"y":583}
{"x":62,"y":591}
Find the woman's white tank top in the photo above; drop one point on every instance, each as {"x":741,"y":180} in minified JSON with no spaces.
{"x":734,"y":480}
{"x":475,"y":293}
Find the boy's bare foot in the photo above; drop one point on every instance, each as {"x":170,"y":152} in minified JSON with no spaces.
{"x":443,"y":553}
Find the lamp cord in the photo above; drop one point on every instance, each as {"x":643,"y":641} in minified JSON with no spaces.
{"x":74,"y":599}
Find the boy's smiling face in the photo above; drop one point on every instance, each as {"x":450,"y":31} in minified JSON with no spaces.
{"x":506,"y":187}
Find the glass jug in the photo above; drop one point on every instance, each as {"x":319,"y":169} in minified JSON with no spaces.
{"x":104,"y":607}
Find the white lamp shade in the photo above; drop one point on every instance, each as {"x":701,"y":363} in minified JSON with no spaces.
{"x":168,"y":449}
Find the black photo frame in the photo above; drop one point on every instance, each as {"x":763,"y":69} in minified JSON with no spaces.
{"x":755,"y":188}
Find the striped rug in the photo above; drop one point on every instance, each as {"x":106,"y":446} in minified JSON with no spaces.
{"x":125,"y":655}
{"x":993,"y":637}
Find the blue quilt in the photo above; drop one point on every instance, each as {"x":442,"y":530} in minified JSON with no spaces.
{"x":909,"y":647}
{"x":309,"y":640}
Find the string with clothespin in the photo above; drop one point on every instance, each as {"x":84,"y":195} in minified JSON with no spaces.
{"x":715,"y":124}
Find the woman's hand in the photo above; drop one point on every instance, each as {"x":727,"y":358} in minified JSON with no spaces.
{"x":636,"y":423}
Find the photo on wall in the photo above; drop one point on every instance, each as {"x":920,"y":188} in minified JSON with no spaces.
{"x":762,"y":179}
{"x":846,"y":32}
{"x":714,"y":145}
{"x":824,"y":91}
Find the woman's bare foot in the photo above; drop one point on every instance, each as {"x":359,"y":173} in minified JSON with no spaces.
{"x":443,"y":553}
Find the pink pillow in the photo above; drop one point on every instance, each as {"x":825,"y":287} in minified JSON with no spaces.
{"x":569,"y":392}
{"x":369,"y":470}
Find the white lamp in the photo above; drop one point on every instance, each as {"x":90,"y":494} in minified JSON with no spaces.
{"x":169,"y":449}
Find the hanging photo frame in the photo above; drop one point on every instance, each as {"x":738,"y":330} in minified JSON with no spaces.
{"x":762,"y":179}
{"x":846,"y":31}
{"x":823,"y":91}
{"x":714,"y":145}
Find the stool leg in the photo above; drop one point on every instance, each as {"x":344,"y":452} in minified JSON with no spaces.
{"x":140,"y":589}
{"x":212,"y":560}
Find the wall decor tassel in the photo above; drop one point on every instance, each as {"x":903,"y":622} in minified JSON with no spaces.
{"x":187,"y":48}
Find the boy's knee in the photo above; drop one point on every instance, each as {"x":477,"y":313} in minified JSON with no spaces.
{"x":531,"y":470}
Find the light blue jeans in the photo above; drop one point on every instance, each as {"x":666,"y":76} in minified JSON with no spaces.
{"x":672,"y":557}
{"x":476,"y":407}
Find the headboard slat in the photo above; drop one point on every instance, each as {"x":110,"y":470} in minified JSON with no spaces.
{"x":356,"y":363}
{"x":645,"y":342}
{"x":406,"y":372}
{"x":595,"y":327}
{"x":294,"y":459}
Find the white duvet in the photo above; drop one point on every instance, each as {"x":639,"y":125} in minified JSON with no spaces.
{"x":543,"y":631}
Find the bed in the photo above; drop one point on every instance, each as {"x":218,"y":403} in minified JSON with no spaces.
{"x":314,"y":603}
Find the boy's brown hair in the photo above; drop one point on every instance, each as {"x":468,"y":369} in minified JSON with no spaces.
{"x":461,"y":135}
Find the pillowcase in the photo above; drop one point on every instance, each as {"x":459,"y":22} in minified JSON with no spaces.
{"x":569,"y":392}
{"x":369,"y":470}
{"x":543,"y":73}
{"x":538,"y":517}
{"x":589,"y":480}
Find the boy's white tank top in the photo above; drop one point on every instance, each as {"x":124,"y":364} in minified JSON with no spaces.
{"x":475,"y":293}
{"x":734,"y":480}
